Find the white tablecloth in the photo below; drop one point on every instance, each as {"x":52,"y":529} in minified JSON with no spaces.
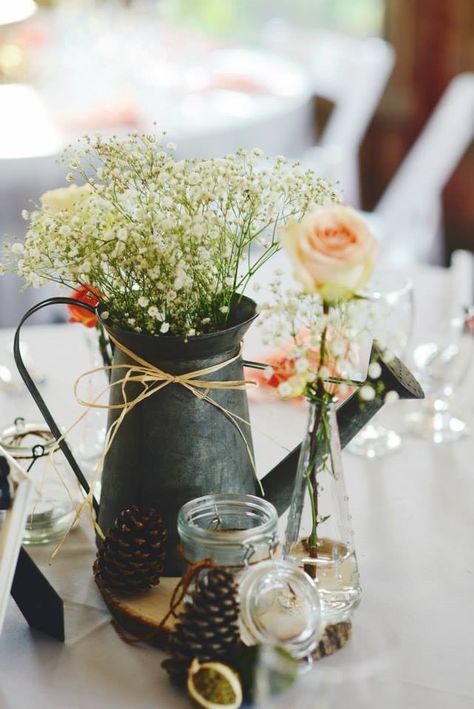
{"x":413,"y":517}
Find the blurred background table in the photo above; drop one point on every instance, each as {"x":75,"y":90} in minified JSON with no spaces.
{"x":117,"y":70}
{"x":413,"y":522}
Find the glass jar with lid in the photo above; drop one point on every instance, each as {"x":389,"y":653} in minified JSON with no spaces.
{"x":232,"y":529}
{"x":280,"y":606}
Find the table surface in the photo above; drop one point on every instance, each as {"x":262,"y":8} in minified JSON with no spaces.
{"x":413,"y":521}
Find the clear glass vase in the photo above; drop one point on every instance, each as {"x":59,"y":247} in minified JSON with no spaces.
{"x":319,"y":535}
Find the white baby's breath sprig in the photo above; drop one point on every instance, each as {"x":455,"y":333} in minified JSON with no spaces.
{"x":153,"y":234}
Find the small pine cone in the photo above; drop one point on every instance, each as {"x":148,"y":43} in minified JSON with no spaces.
{"x":131,"y":558}
{"x":177,"y":670}
{"x":208,"y":627}
{"x":335,"y":636}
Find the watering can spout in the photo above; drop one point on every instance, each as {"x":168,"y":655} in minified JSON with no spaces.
{"x":352,"y":415}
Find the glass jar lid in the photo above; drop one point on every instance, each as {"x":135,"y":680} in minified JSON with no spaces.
{"x":279,"y":605}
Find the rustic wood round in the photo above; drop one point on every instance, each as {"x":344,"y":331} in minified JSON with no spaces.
{"x":142,"y":616}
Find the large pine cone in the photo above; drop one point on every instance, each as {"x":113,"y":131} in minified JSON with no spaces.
{"x":131,"y":558}
{"x":208,"y":627}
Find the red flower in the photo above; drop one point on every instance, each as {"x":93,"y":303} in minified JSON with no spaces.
{"x":85,"y":294}
{"x":282,"y":366}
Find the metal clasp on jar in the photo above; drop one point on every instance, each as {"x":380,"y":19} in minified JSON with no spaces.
{"x":250,"y":547}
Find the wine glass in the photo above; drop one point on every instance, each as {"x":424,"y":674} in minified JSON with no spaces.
{"x":390,"y":295}
{"x":442,"y":363}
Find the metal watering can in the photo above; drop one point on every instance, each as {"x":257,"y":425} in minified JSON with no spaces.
{"x":173,"y":446}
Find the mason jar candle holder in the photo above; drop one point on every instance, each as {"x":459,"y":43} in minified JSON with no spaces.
{"x":232,"y":530}
{"x":51,"y":509}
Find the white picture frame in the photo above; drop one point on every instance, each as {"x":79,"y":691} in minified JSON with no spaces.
{"x":12,"y":526}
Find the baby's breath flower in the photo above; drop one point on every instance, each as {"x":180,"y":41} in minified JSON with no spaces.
{"x":301,"y":365}
{"x":391,"y":397}
{"x":285,"y":390}
{"x":388,"y":356}
{"x":338,"y":348}
{"x":146,"y":228}
{"x":375,"y":370}
{"x":367,"y":393}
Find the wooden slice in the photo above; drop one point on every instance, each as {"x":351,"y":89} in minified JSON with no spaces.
{"x":141,"y":615}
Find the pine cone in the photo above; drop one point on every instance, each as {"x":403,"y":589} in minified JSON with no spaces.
{"x":208,"y":627}
{"x":131,"y":558}
{"x":334,"y":638}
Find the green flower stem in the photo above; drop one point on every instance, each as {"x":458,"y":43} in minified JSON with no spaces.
{"x":319,"y":440}
{"x":105,"y":347}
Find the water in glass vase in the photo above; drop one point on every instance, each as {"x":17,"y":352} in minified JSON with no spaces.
{"x":319,"y":535}
{"x":336,"y":573}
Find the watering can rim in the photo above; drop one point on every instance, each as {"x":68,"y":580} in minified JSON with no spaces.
{"x":179,"y":340}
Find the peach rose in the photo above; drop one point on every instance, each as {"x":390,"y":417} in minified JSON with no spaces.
{"x":332,"y":251}
{"x":65,"y":197}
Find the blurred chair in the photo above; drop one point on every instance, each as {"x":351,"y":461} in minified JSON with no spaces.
{"x":350,"y":72}
{"x":408,"y":217}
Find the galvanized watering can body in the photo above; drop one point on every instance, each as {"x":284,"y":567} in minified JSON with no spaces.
{"x":175,"y":446}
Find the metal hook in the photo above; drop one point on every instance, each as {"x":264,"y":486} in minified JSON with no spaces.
{"x":273,"y":542}
{"x":37,"y":452}
{"x":19,"y":424}
{"x":249,"y":552}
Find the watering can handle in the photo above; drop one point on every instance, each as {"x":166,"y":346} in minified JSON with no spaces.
{"x":33,"y":389}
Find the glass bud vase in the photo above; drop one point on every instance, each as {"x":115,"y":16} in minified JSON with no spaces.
{"x":319,"y":535}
